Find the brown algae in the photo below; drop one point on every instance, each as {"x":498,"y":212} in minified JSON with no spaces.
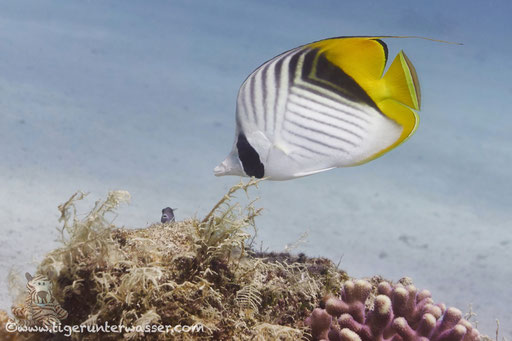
{"x":199,"y":272}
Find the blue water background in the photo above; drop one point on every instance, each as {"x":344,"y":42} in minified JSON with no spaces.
{"x":140,"y":95}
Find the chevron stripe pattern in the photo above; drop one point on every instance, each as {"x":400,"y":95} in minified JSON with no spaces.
{"x":302,"y":100}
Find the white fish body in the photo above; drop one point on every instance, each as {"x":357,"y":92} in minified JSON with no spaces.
{"x":303,"y":112}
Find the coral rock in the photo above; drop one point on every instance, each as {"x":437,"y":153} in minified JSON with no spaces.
{"x":399,"y":313}
{"x":348,"y":335}
{"x":319,"y":322}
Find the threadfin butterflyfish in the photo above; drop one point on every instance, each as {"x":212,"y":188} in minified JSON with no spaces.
{"x":320,"y":106}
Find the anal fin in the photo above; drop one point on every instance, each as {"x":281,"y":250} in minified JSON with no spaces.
{"x":404,"y":116}
{"x":306,"y":173}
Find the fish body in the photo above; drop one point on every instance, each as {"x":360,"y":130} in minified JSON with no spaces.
{"x":320,"y":106}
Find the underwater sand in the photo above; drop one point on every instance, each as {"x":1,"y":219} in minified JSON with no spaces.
{"x":123,"y":95}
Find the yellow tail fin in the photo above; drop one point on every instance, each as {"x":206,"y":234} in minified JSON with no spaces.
{"x":401,"y":82}
{"x":396,"y":94}
{"x":399,"y":91}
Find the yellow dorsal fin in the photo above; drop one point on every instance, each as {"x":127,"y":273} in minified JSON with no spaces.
{"x":362,"y":58}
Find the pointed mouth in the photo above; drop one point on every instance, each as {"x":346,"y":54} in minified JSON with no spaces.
{"x":220,"y":170}
{"x":230,"y":166}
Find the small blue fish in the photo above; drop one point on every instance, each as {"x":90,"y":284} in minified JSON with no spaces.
{"x":167,"y":215}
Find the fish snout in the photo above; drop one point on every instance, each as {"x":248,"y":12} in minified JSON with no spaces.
{"x":221,"y":169}
{"x":230,"y":166}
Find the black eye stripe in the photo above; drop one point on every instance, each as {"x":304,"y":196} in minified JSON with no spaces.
{"x":249,"y":158}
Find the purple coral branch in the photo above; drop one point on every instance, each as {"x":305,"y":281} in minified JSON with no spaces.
{"x":399,"y":314}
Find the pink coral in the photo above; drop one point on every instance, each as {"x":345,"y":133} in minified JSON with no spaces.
{"x":399,"y":313}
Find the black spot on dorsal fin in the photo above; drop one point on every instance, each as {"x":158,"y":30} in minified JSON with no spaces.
{"x":249,"y":158}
